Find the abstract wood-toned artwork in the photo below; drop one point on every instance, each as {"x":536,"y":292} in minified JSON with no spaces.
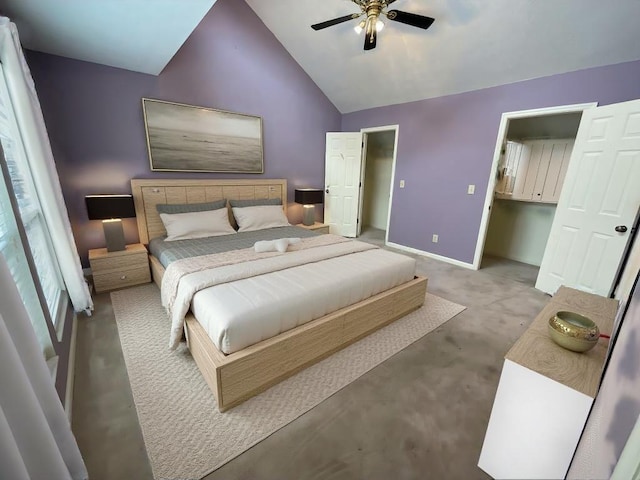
{"x":198,"y":139}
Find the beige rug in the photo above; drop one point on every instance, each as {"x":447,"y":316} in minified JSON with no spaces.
{"x":185,"y":435}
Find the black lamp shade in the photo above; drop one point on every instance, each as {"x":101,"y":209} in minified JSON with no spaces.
{"x":309,"y":196}
{"x":105,"y":207}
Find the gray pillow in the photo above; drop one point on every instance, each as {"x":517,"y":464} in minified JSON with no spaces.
{"x":255,"y":203}
{"x":191,"y":207}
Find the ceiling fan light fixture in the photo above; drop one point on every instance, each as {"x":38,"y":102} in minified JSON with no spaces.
{"x":360,"y":27}
{"x":372,"y":25}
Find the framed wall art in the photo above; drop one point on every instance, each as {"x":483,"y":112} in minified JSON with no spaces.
{"x":187,"y":138}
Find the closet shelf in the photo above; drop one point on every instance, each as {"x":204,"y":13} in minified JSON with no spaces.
{"x":507,"y":196}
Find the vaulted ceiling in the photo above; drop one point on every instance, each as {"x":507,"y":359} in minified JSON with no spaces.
{"x":473,"y":44}
{"x":138,"y":35}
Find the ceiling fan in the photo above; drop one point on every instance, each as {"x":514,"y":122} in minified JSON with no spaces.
{"x":371,"y":25}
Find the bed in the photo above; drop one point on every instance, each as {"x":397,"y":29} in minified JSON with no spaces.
{"x":253,"y":365}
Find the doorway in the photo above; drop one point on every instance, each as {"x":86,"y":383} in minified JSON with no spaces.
{"x":378,"y":165}
{"x":358,"y":166}
{"x":531,"y":157}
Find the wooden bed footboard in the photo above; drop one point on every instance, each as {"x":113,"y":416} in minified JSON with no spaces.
{"x":241,"y":375}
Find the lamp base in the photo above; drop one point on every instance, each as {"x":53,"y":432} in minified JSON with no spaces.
{"x":308,"y":215}
{"x":114,"y":235}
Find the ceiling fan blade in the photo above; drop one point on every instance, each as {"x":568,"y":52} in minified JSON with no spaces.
{"x":335,"y":21}
{"x":412,"y":19}
{"x":371,"y":34}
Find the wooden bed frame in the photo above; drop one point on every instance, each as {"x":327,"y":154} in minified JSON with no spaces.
{"x":241,"y":375}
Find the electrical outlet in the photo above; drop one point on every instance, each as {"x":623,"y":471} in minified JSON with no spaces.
{"x":434,"y":239}
{"x":401,"y":183}
{"x":471,"y":190}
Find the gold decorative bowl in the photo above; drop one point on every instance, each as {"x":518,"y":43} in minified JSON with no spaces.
{"x":573,"y":331}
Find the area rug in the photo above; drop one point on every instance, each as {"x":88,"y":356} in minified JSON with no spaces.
{"x":185,"y":435}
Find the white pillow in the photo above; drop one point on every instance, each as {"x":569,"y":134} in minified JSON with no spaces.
{"x":279,"y":245}
{"x":210,"y":223}
{"x":259,"y":217}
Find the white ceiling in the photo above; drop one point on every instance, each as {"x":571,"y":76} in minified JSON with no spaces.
{"x":138,"y":35}
{"x":473,"y":44}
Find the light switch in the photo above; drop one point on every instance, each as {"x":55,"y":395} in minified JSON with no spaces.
{"x":401,"y":183}
{"x":471,"y":190}
{"x":434,"y":238}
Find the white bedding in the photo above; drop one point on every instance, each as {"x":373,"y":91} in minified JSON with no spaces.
{"x":184,"y":278}
{"x":243,"y":312}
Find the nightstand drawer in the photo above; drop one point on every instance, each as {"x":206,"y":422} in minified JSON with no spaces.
{"x":121,"y":278}
{"x":120,"y":262}
{"x":316,"y":227}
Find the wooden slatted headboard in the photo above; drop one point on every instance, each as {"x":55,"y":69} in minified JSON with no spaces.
{"x":149,"y":193}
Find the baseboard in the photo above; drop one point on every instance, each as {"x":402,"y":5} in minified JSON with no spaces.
{"x":68,"y":396}
{"x":452,"y":261}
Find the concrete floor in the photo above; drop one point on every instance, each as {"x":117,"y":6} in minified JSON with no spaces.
{"x":422,"y":414}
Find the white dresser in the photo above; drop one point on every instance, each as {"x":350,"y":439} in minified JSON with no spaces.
{"x":545,"y":395}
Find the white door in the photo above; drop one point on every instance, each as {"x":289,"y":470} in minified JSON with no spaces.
{"x":598,"y":203}
{"x":343,"y":160}
{"x":362,"y":183}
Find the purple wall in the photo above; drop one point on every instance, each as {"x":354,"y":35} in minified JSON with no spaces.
{"x":94,"y":119}
{"x":447,"y":143}
{"x":231,"y":61}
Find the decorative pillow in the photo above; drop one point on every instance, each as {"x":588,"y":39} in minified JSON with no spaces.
{"x":279,"y":245}
{"x":259,"y":217}
{"x":209,"y":223}
{"x":191,"y":207}
{"x":255,"y":203}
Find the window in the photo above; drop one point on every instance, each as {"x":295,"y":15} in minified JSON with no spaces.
{"x":24,"y":237}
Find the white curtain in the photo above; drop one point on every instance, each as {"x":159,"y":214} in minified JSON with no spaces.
{"x":42,"y":165}
{"x":35,"y":436}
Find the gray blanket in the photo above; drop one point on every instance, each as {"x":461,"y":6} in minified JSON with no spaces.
{"x":168,"y":252}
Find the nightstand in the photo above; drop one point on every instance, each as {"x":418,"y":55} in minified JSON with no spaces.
{"x":120,"y":269}
{"x":317,"y":227}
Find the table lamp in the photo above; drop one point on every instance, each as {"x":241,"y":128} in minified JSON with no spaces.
{"x":309,"y":198}
{"x":111,"y":209}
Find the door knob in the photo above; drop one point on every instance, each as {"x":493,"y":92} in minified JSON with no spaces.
{"x":326,"y":191}
{"x":621,"y":228}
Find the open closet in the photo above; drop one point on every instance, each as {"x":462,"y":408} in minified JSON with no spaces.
{"x":376,"y":181}
{"x":534,"y":159}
